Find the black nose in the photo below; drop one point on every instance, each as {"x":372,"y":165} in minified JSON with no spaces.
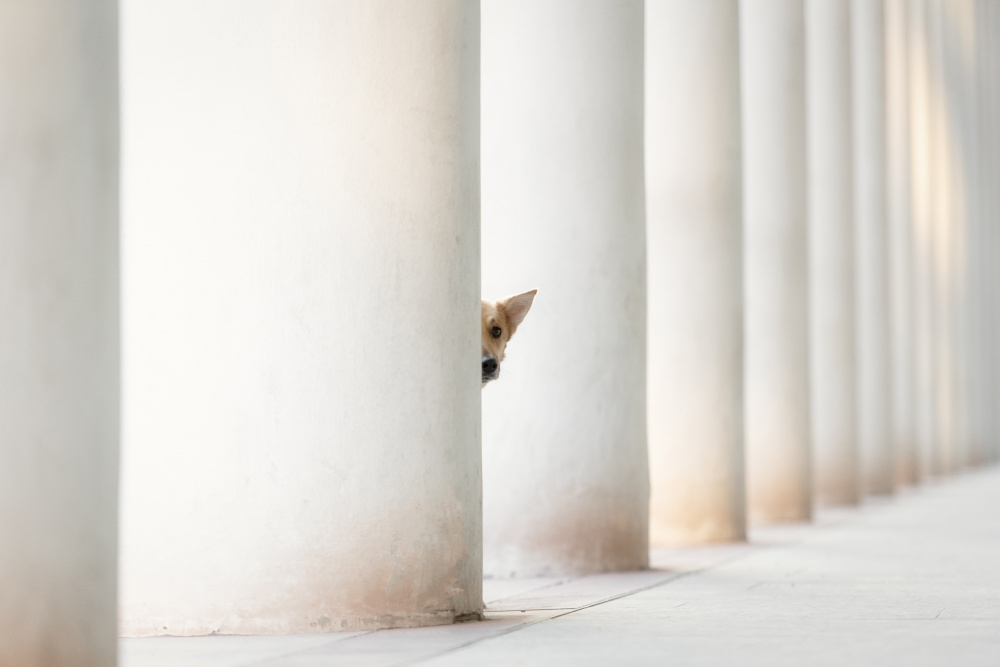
{"x":489,"y":366}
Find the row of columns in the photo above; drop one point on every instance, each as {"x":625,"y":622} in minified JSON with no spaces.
{"x":765,"y":235}
{"x":818,"y":293}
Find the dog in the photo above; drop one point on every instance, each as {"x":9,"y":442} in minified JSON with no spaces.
{"x":500,"y":321}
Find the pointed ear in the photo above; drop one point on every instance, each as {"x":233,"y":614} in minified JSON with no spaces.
{"x":516,"y":307}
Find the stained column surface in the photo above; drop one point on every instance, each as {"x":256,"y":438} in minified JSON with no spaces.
{"x":868,"y":98}
{"x":832,"y":275}
{"x":566,"y":487}
{"x":693,"y":162}
{"x":301,"y":336}
{"x":899,"y":212}
{"x":922,"y":229}
{"x":778,"y":469}
{"x":59,"y":332}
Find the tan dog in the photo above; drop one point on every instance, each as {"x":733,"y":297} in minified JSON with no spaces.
{"x":500,"y":321}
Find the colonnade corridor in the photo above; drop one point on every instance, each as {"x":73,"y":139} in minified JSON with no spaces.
{"x":751,"y":417}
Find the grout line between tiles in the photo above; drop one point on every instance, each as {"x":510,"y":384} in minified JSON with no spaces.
{"x":670,"y":579}
{"x":272,"y":658}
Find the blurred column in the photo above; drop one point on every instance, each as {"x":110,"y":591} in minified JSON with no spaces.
{"x":778,"y":469}
{"x":301,"y":357}
{"x":957,"y":43}
{"x":984,"y":365}
{"x":693,"y":160}
{"x":868,"y":93}
{"x":987,"y":125}
{"x":921,"y":173}
{"x":833,"y":359}
{"x":942,"y":217}
{"x":566,"y":481}
{"x":990,"y":116}
{"x":970,"y":236}
{"x":990,"y":138}
{"x":902,"y":354}
{"x":58,"y":332}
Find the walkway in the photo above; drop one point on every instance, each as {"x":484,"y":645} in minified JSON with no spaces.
{"x":910,"y":581}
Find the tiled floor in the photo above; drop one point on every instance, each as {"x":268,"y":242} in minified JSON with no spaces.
{"x":914,"y":580}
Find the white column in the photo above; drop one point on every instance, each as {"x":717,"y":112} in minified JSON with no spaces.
{"x":966,"y":65}
{"x":941,"y":161}
{"x":923,"y":273}
{"x":989,"y":132}
{"x":989,"y":112}
{"x":778,"y":462}
{"x":831,"y":252}
{"x":985,"y":81}
{"x":693,"y":160}
{"x":301,"y":333}
{"x":986,"y":73}
{"x":956,"y":26}
{"x":58,"y":332}
{"x":874,"y":396}
{"x":902,"y":353}
{"x":566,"y":481}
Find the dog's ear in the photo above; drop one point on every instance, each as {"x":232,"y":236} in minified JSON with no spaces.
{"x":516,"y":307}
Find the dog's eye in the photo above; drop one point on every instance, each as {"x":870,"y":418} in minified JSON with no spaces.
{"x":496,"y":332}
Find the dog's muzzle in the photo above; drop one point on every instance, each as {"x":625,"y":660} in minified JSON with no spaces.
{"x":491,"y":369}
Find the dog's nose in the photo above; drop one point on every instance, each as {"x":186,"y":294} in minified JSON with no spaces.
{"x":489,"y":365}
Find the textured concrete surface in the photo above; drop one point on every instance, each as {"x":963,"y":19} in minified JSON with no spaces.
{"x":264,"y":487}
{"x":910,"y":581}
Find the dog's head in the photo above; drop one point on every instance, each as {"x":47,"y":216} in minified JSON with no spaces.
{"x":500,"y":321}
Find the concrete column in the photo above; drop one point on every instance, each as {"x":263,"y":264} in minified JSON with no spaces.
{"x":301,"y":333}
{"x":994,"y":220}
{"x":986,"y":38}
{"x":693,"y":159}
{"x":831,"y":252}
{"x":899,"y":210}
{"x":990,"y":138}
{"x":778,"y":462}
{"x":960,"y":184}
{"x":992,"y":176}
{"x":923,"y":273}
{"x":986,"y":73}
{"x":989,"y":131}
{"x":968,"y":248}
{"x":58,"y":332}
{"x":942,"y":164}
{"x":874,"y":396}
{"x":566,"y":480}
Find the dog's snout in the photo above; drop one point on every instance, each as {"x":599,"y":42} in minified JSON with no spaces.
{"x":489,"y":365}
